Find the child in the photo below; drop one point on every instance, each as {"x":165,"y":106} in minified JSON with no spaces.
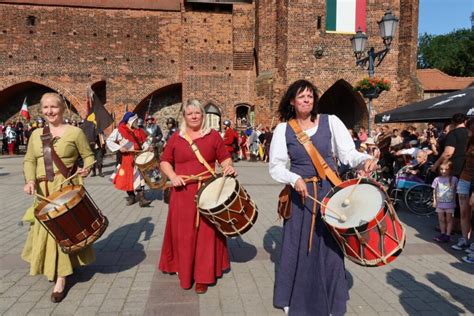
{"x":444,"y":199}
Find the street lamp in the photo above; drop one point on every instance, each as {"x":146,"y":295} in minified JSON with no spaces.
{"x":387,"y":26}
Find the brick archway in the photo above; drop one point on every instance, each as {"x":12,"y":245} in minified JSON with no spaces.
{"x":11,"y":98}
{"x":161,"y":103}
{"x":341,"y":100}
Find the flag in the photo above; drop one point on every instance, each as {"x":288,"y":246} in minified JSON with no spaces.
{"x":98,"y":114}
{"x":24,"y":110}
{"x":345,"y":16}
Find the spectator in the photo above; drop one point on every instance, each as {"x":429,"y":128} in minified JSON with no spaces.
{"x":422,"y":168}
{"x":444,"y":199}
{"x":231,"y":140}
{"x":396,"y":138}
{"x":362,"y":134}
{"x":10,"y":135}
{"x":463,"y":190}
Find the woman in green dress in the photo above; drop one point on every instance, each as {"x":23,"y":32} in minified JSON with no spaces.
{"x":41,"y":250}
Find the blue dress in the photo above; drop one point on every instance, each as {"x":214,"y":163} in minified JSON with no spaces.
{"x":310,"y":282}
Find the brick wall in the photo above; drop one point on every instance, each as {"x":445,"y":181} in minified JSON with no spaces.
{"x":247,"y":55}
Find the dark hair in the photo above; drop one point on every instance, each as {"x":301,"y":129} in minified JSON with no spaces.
{"x":286,"y":110}
{"x":459,"y":118}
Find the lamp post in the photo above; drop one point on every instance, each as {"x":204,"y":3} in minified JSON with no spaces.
{"x":387,"y":26}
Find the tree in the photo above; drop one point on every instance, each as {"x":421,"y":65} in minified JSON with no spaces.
{"x":451,"y":53}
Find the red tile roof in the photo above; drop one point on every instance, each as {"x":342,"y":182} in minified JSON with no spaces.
{"x":436,"y":80}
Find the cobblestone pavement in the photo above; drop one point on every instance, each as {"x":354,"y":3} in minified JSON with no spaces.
{"x":426,"y":279}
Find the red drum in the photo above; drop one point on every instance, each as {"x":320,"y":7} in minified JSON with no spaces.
{"x":369,"y":232}
{"x":226,"y":204}
{"x":72,"y":219}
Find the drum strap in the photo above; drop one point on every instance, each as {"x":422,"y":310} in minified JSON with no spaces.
{"x":319,"y":163}
{"x":196,"y":151}
{"x":50,"y":156}
{"x":313,"y":212}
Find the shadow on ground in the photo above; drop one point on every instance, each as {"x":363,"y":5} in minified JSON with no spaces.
{"x":416,"y":297}
{"x":119,"y":251}
{"x":458,"y":292}
{"x":241,"y":251}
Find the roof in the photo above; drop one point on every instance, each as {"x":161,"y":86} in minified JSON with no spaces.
{"x":436,"y":80}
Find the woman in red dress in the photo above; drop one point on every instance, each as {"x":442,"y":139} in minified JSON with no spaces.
{"x":192,"y":247}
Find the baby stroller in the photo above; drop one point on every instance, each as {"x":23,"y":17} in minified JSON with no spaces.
{"x":417,"y":195}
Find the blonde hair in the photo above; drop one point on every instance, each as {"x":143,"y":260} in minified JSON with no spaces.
{"x":194,"y":103}
{"x":56,"y":96}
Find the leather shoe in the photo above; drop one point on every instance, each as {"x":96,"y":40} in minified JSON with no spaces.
{"x":57,"y":297}
{"x":200,"y":288}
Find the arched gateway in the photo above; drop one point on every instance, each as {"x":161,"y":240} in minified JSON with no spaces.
{"x":341,"y":100}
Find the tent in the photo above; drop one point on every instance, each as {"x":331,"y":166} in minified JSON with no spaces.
{"x":440,"y":108}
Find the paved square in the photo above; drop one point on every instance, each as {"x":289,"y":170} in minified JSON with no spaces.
{"x":426,"y":279}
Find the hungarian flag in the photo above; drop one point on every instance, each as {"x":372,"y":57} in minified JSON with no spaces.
{"x":24,"y":110}
{"x":345,"y":16}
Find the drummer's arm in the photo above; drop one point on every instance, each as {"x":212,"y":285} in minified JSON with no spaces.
{"x":344,"y":148}
{"x":168,"y":170}
{"x":29,"y":167}
{"x":85,"y":152}
{"x":112,"y":141}
{"x":227,"y":167}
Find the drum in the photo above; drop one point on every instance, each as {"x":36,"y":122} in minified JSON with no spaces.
{"x":226,"y":204}
{"x":72,"y":219}
{"x":149,"y":168}
{"x":369,"y":232}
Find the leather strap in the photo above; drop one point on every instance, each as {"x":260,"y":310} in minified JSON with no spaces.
{"x":198,"y":154}
{"x":46,"y":139}
{"x":51,"y":156}
{"x":318,"y":161}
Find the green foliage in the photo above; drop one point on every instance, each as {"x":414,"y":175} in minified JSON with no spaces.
{"x":452,"y":53}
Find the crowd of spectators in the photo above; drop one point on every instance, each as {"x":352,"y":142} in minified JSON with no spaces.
{"x":442,"y":156}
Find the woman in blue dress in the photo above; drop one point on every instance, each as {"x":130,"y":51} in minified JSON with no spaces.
{"x":310,"y":279}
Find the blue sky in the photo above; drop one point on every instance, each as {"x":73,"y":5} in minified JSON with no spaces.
{"x":443,"y":16}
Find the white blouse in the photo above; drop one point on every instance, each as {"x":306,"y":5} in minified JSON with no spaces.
{"x":341,"y":142}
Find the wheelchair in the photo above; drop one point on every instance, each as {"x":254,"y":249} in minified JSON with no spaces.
{"x":413,"y":191}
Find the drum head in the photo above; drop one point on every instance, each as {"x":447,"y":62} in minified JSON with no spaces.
{"x":208,"y":198}
{"x":360,"y":208}
{"x":61,"y":200}
{"x":145,"y":157}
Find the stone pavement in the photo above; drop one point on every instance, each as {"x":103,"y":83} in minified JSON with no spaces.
{"x":426,"y":279}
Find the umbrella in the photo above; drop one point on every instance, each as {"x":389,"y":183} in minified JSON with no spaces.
{"x":439,"y":108}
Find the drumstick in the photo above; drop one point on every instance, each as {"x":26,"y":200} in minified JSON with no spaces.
{"x":219,"y":190}
{"x":342,"y":217}
{"x":347,"y":201}
{"x":76,"y":173}
{"x":46,"y":199}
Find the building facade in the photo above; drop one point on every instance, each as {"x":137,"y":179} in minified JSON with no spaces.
{"x":236,"y":57}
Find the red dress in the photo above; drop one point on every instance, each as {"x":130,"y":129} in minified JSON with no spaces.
{"x":198,"y":254}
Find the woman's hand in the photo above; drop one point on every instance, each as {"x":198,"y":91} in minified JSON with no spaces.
{"x":370,"y":165}
{"x":83,"y":172}
{"x":30,"y":188}
{"x":229,"y":170}
{"x":177,"y":181}
{"x":123,"y":149}
{"x":301,"y":188}
{"x":471,"y":200}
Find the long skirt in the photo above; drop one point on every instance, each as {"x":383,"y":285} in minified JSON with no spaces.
{"x":310,"y":282}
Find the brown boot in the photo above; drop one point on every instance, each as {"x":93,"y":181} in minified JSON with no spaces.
{"x":131,"y":200}
{"x":141,"y":199}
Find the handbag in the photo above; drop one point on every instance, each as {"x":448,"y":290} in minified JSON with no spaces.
{"x":284,"y":202}
{"x":324,"y":171}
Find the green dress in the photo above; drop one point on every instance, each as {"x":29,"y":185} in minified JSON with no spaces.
{"x":41,"y":250}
